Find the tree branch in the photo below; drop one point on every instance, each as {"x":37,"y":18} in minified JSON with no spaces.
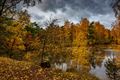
{"x":2,"y":7}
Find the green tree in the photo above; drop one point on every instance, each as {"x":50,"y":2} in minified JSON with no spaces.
{"x":91,"y":35}
{"x":112,"y":70}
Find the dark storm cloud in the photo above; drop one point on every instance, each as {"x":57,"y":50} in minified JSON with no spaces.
{"x":94,"y":6}
{"x":74,"y":10}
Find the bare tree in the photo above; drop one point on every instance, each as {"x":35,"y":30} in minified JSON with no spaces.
{"x":9,"y":5}
{"x":116,"y":7}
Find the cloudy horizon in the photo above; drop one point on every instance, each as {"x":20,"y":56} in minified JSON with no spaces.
{"x":94,"y":10}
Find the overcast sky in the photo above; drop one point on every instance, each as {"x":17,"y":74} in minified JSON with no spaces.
{"x":73,"y":10}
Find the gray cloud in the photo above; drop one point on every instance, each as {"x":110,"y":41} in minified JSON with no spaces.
{"x":74,"y":10}
{"x":96,"y":6}
{"x":37,"y":17}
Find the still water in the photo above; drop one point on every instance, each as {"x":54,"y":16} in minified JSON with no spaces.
{"x":99,"y":69}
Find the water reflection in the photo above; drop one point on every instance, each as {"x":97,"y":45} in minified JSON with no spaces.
{"x":62,"y":66}
{"x":97,"y":61}
{"x":100,"y":71}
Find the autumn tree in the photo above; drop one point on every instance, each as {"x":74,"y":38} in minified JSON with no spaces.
{"x":4,"y":34}
{"x":33,"y":42}
{"x":80,"y":50}
{"x":115,"y":32}
{"x":81,"y":32}
{"x":67,"y":33}
{"x":13,"y":44}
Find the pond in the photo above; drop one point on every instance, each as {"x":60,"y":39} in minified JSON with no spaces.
{"x":98,"y":69}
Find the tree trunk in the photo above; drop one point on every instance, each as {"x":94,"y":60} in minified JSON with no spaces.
{"x":43,"y":49}
{"x":2,"y":7}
